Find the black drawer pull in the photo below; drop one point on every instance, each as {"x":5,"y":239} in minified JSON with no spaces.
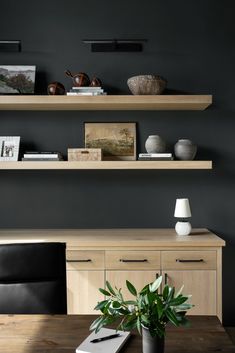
{"x":126,"y":260}
{"x":88,"y":260}
{"x":179,"y":260}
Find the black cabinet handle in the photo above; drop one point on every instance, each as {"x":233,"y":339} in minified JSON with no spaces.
{"x":199,"y":260}
{"x":166,"y":278}
{"x":126,"y":260}
{"x":86,"y":260}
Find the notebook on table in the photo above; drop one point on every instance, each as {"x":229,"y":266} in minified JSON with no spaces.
{"x":108,"y":346}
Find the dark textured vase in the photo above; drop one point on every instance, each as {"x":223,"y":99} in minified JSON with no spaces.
{"x":185,"y":150}
{"x":152,"y":344}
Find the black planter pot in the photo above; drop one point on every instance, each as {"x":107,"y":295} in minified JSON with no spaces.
{"x":152,"y":344}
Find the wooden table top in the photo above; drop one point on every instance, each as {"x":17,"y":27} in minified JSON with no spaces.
{"x":62,"y":334}
{"x":113,"y":238}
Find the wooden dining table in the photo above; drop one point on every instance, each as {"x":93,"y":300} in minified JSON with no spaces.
{"x":63,"y":333}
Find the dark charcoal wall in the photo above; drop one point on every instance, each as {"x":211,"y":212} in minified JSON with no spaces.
{"x":191,"y":43}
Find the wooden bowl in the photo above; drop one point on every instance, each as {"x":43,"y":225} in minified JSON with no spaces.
{"x":146,"y":84}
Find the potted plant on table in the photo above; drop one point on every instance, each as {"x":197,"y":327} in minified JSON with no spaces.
{"x":149,"y":312}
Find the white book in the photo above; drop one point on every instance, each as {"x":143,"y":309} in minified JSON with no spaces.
{"x":39,"y":156}
{"x":87,"y":88}
{"x":85,"y":94}
{"x":155,"y":155}
{"x":108,"y":346}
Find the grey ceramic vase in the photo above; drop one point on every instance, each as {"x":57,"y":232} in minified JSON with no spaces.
{"x":152,"y":344}
{"x":155,"y":144}
{"x":185,"y":150}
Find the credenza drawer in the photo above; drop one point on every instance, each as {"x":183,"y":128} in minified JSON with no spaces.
{"x":132,"y":260}
{"x":189,"y":260}
{"x":85,"y":260}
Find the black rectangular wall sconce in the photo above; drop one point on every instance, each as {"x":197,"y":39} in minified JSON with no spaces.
{"x":115,"y":45}
{"x":13,"y":46}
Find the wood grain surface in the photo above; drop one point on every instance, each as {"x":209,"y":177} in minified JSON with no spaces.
{"x":117,"y":102}
{"x":62,"y":334}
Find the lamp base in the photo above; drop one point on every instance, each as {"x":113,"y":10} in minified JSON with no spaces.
{"x":183,"y":228}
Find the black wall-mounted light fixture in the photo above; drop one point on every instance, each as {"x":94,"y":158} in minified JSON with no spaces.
{"x":12,"y":46}
{"x":115,"y":45}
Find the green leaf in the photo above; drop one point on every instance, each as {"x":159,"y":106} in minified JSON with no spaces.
{"x":101,"y":305}
{"x":145,"y":319}
{"x":110,"y":287}
{"x":116,"y":305}
{"x":95,"y":323}
{"x":145,"y":289}
{"x":172,"y":317}
{"x":160,"y":308}
{"x":156,"y":284}
{"x":171,"y":293}
{"x":138,"y":324}
{"x":165,"y":292}
{"x":105,"y":292}
{"x":178,"y":301}
{"x":131,"y":288}
{"x":184,"y":307}
{"x":130,"y":302}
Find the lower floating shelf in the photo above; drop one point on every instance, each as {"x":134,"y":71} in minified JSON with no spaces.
{"x":106,"y":165}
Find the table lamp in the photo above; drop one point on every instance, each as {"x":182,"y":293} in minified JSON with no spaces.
{"x":182,"y":210}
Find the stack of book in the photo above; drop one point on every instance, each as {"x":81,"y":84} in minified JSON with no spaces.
{"x":42,"y":156}
{"x":86,"y":91}
{"x":155,"y":157}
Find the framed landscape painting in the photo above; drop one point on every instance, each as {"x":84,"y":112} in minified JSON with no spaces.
{"x":117,"y":140}
{"x":17,"y":79}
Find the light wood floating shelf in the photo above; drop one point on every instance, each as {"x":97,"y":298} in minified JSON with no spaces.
{"x":161,"y":102}
{"x":106,"y":165}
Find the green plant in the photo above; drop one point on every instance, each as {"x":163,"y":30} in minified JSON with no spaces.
{"x":150,"y":309}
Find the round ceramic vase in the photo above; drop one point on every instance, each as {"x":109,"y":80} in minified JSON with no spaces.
{"x":185,"y":150}
{"x":152,"y":344}
{"x":183,"y":228}
{"x":155,"y":144}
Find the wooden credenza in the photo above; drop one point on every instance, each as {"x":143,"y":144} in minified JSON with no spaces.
{"x":139,"y":255}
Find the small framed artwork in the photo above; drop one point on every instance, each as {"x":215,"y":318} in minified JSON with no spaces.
{"x":18,"y":79}
{"x":117,"y":140}
{"x":9,"y":148}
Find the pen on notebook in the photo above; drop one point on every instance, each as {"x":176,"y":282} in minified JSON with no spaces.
{"x":96,"y":340}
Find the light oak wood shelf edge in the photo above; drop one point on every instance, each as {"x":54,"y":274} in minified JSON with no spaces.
{"x":106,"y":165}
{"x":109,"y":102}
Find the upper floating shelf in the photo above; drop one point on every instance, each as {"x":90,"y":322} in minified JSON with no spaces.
{"x":161,"y":102}
{"x":106,"y":165}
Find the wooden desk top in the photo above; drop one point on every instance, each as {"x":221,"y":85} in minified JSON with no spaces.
{"x":62,"y":334}
{"x":112,"y":238}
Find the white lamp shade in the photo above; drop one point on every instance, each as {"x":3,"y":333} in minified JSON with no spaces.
{"x":182,"y":208}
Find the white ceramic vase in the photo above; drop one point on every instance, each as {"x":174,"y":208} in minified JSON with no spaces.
{"x":183,"y":228}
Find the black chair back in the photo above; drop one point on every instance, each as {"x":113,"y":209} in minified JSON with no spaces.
{"x":33,"y":278}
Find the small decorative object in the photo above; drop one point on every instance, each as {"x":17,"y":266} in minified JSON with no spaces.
{"x":147,"y":85}
{"x":182,"y":210}
{"x":84,"y":154}
{"x":155,"y":144}
{"x":56,"y":89}
{"x":17,"y":79}
{"x":117,"y":140}
{"x":96,"y":82}
{"x":9,"y":148}
{"x":149,"y":312}
{"x":185,"y":150}
{"x":79,"y":80}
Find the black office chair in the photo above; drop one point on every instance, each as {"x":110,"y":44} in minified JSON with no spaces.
{"x":33,"y":279}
